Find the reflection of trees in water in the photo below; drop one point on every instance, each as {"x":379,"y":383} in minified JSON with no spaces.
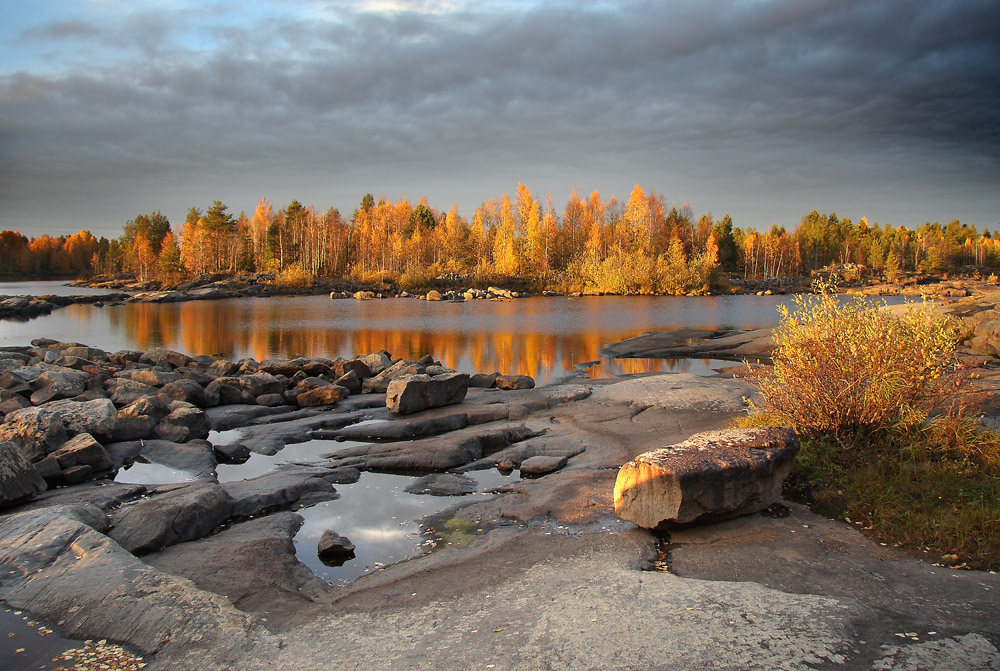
{"x":265,"y":329}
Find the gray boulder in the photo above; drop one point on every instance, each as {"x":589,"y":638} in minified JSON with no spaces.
{"x":54,"y":385}
{"x":359,"y":367}
{"x":159,"y":356}
{"x":174,"y":514}
{"x":541,"y":465}
{"x":139,"y":418}
{"x":276,"y":490}
{"x":711,"y":476}
{"x":82,"y":449}
{"x":94,"y":417}
{"x":19,"y":481}
{"x":84,"y":352}
{"x":349,"y":381}
{"x":185,"y":390}
{"x":327,"y":395}
{"x":413,"y":393}
{"x":483,"y":380}
{"x":334,"y":546}
{"x":124,"y":392}
{"x":183,"y":424}
{"x":379,"y":384}
{"x":376,"y":363}
{"x":37,"y":430}
{"x":259,"y":384}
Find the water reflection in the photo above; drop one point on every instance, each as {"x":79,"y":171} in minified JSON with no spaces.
{"x":546,"y":338}
{"x":382,"y":520}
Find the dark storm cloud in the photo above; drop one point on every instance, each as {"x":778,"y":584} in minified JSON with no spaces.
{"x":730,"y":96}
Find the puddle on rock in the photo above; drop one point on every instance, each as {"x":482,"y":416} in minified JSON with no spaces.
{"x":148,"y":473}
{"x":28,"y":645}
{"x":382,"y":520}
{"x":309,"y":452}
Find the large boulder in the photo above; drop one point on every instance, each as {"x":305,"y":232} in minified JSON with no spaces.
{"x":376,"y":362}
{"x":259,"y":384}
{"x":185,"y":390}
{"x":175,"y":514}
{"x":38,"y":431}
{"x":139,"y":418}
{"x":124,"y":392}
{"x":54,"y":385}
{"x":19,"y":481}
{"x":327,"y":395}
{"x":278,"y":489}
{"x":709,"y":477}
{"x":94,"y":417}
{"x":184,"y":423}
{"x":83,"y":450}
{"x":413,"y":393}
{"x":161,"y":356}
{"x":379,"y":384}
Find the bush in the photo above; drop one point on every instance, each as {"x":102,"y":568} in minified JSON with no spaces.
{"x":854,"y":372}
{"x":856,"y":376}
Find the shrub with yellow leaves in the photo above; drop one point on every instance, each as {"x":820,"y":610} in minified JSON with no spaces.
{"x":851,"y":370}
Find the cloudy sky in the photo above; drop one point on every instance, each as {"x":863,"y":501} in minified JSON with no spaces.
{"x":765,"y":109}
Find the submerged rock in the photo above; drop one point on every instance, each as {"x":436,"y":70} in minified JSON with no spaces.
{"x":709,"y":477}
{"x":443,"y":484}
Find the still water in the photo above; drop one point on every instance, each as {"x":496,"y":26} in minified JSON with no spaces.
{"x":546,"y":338}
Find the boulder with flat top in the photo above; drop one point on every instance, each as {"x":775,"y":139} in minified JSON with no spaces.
{"x":413,"y":393}
{"x":709,"y":477}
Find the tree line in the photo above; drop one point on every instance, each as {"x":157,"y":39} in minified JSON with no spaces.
{"x":636,"y":246}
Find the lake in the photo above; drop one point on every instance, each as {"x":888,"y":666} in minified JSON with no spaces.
{"x":546,"y":338}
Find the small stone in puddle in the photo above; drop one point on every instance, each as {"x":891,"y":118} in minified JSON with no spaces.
{"x":443,"y":484}
{"x":332,"y":546}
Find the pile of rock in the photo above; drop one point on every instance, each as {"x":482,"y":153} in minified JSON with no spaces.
{"x":77,"y":412}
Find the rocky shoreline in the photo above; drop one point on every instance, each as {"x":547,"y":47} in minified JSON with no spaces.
{"x":220,"y":286}
{"x":202,"y":574}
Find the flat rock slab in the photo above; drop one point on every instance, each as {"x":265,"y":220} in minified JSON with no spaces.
{"x":253,"y":564}
{"x":709,"y":477}
{"x":443,"y":484}
{"x":173,"y":515}
{"x":58,"y":568}
{"x":279,"y":489}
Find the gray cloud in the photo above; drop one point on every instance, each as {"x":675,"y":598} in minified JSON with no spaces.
{"x":759,"y":108}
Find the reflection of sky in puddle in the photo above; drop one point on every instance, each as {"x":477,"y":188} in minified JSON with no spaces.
{"x":229,"y":437}
{"x":313,"y":451}
{"x":37,"y":650}
{"x":380,"y":519}
{"x":151,"y":474}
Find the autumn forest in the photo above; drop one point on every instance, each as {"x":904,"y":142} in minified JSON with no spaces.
{"x":634,"y":247}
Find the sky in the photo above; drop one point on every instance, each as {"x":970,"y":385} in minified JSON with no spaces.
{"x":763,"y":109}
